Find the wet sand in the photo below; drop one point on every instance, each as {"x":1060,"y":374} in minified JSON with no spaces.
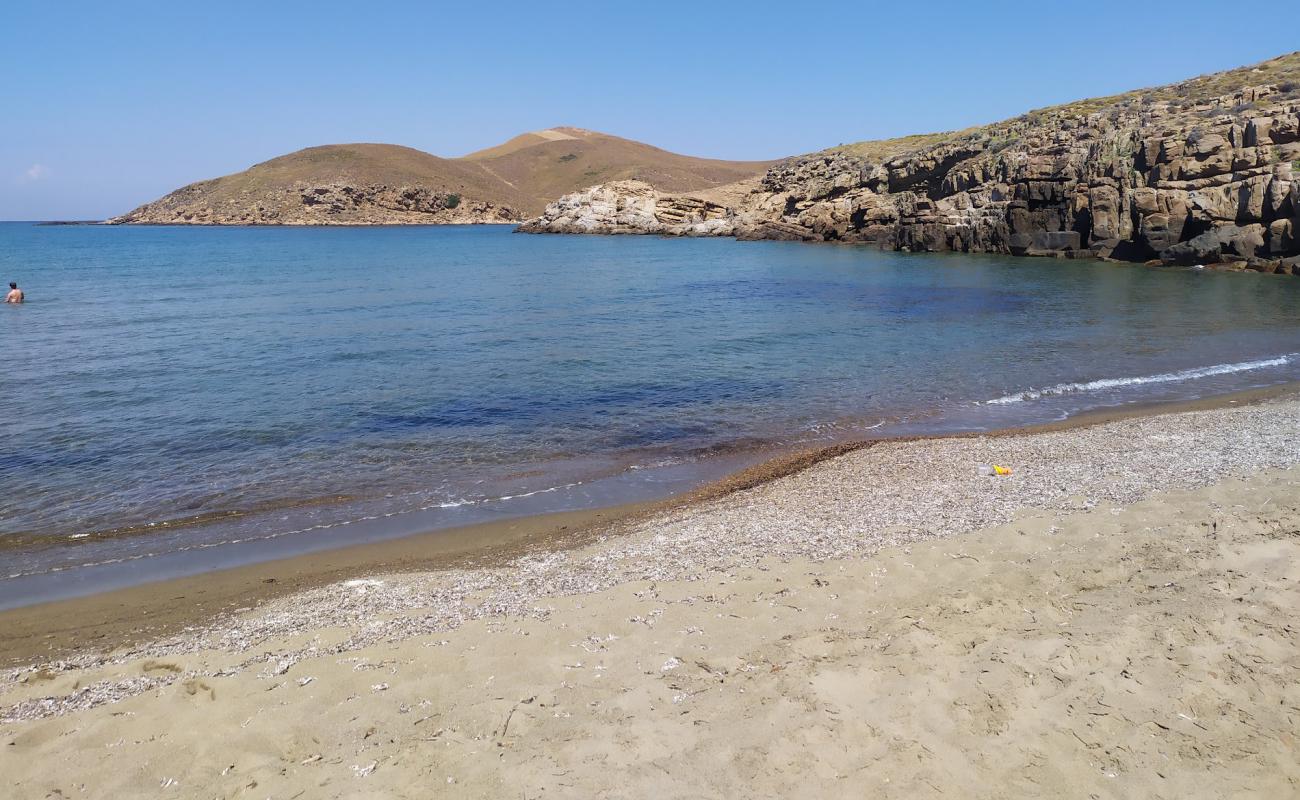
{"x":132,"y":616}
{"x":128,"y":617}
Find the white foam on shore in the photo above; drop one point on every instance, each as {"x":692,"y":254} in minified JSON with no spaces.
{"x":1163,"y":377}
{"x":482,"y":500}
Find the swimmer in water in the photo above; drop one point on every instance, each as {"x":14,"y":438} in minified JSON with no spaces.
{"x":15,"y":294}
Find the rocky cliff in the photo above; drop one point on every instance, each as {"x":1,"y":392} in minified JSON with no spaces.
{"x":1201,"y":172}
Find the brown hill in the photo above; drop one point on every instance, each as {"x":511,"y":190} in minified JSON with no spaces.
{"x":351,"y":184}
{"x":341,"y":184}
{"x":524,"y":140}
{"x":550,"y":163}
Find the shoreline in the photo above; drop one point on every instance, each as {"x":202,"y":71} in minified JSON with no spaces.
{"x":1079,"y":255}
{"x":149,"y":611}
{"x":291,"y":224}
{"x":1113,"y":617}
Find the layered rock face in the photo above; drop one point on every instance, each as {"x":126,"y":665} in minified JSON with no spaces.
{"x":1167,"y":176}
{"x":325,"y":204}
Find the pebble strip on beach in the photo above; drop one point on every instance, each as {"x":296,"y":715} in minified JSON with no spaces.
{"x":891,"y":494}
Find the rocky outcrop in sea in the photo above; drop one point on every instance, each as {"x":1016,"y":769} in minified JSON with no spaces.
{"x":1167,"y":176}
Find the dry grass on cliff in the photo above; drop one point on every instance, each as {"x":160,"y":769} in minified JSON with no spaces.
{"x":878,"y":150}
{"x":1283,"y":71}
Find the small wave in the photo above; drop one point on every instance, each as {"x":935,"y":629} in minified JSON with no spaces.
{"x":262,"y":537}
{"x":660,"y":464}
{"x":482,"y":500}
{"x":1163,"y":377}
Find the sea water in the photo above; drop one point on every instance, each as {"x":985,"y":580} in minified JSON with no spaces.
{"x":175,"y":399}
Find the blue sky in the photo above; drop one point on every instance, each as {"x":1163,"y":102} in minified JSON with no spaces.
{"x":104,"y":106}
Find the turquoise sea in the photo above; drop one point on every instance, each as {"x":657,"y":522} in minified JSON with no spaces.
{"x":346,"y":384}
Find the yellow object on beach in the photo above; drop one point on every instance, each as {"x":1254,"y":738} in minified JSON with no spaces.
{"x":997,"y":470}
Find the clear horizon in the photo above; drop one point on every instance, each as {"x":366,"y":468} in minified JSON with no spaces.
{"x":110,"y":107}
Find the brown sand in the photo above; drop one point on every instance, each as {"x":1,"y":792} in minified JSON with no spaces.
{"x":1141,"y":652}
{"x":1123,"y":626}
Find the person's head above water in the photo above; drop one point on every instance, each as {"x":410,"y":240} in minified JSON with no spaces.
{"x":13,"y":285}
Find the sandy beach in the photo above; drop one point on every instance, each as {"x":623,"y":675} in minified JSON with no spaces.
{"x":1114,"y":619}
{"x":508,"y":429}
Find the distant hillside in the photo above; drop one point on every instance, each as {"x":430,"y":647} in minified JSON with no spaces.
{"x":357,"y":184}
{"x":340,"y":184}
{"x":550,"y":163}
{"x":525,"y":140}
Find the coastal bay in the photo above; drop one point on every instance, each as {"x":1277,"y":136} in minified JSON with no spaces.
{"x":883,"y":422}
{"x":196,"y":429}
